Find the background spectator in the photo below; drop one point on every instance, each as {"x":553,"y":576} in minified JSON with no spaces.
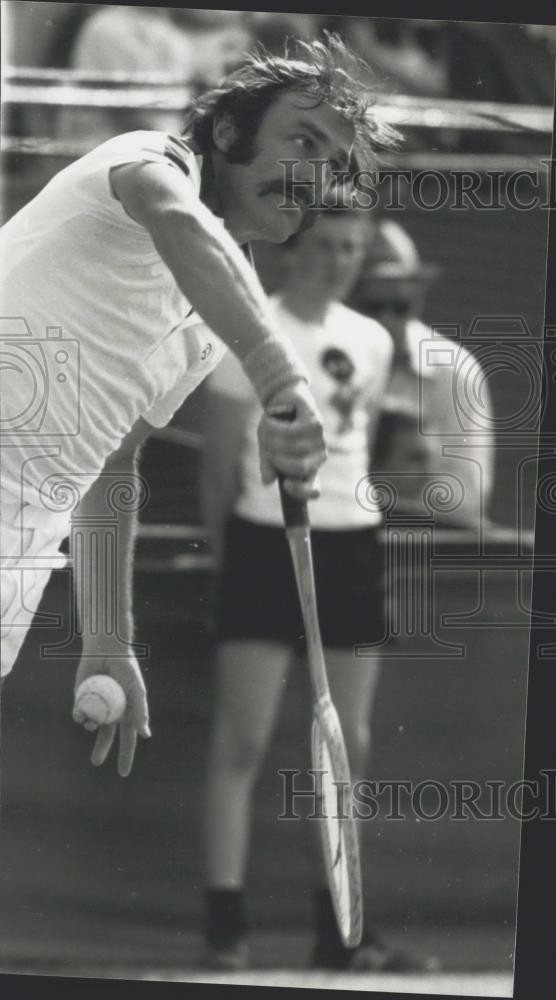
{"x":199,"y":46}
{"x":420,"y":415}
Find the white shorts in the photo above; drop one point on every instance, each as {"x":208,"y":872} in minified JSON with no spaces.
{"x":29,"y":542}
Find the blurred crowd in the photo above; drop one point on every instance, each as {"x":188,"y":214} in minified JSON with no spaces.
{"x":431,"y":58}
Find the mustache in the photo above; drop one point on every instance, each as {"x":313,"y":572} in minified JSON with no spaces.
{"x":300,"y":195}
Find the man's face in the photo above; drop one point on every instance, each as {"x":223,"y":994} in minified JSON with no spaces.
{"x":330,"y":254}
{"x":392,"y":301}
{"x":258,"y":202}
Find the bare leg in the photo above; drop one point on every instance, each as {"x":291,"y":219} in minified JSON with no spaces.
{"x":353,"y":682}
{"x":251,"y":679}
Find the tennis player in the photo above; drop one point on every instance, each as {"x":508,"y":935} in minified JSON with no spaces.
{"x":259,"y":625}
{"x":109,"y":276}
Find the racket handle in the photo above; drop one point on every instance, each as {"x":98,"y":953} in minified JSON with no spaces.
{"x":295,"y":512}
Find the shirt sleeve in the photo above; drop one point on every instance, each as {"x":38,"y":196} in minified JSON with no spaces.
{"x":92,"y":184}
{"x":162,"y":412}
{"x":203,"y":352}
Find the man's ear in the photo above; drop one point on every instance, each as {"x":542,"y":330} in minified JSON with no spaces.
{"x":224,"y":133}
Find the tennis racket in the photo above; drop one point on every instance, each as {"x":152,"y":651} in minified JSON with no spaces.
{"x":337,"y":827}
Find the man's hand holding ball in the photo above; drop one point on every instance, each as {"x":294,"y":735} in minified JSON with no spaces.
{"x":110,"y":694}
{"x":99,"y":700}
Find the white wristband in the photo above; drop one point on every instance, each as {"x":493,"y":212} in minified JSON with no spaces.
{"x":272,"y":365}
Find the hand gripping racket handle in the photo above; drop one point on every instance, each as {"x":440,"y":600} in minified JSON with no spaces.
{"x":295,"y":512}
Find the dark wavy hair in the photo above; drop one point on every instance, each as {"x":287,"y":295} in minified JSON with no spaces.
{"x":327,"y":71}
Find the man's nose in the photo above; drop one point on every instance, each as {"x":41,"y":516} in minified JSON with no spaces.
{"x":338,"y":189}
{"x":306,"y":172}
{"x":317,"y":175}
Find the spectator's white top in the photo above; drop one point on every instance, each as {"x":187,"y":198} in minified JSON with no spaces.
{"x":73,"y":259}
{"x":348,"y":358}
{"x":446,"y":389}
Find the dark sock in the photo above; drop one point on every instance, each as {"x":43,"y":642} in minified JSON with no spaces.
{"x":226,"y":920}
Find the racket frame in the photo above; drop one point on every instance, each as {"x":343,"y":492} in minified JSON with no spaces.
{"x":326,"y":724}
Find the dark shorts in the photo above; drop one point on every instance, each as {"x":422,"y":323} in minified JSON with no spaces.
{"x":257,"y":598}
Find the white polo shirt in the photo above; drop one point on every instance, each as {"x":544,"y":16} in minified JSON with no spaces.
{"x":95,"y":332}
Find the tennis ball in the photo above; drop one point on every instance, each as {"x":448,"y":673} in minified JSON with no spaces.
{"x":101,"y":699}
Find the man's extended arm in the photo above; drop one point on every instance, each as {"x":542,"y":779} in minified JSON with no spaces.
{"x":211,"y":271}
{"x":103,"y":538}
{"x":209,"y":267}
